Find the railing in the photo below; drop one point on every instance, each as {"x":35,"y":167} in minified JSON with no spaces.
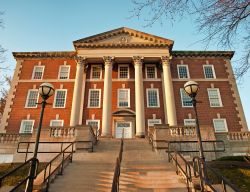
{"x":11,"y":137}
{"x":18,"y":170}
{"x":239,"y":136}
{"x":182,"y":166}
{"x":57,"y":164}
{"x":116,"y":178}
{"x":95,"y":133}
{"x":182,"y":130}
{"x":211,"y":180}
{"x":62,"y":131}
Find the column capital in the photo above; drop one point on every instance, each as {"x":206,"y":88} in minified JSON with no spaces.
{"x":81,"y":61}
{"x":165,"y":60}
{"x":108,"y":60}
{"x":137,"y":60}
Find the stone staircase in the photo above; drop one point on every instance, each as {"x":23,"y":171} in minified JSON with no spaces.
{"x":142,"y":169}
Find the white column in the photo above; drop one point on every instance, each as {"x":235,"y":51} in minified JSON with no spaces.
{"x":169,"y":92}
{"x":139,"y":97}
{"x":78,"y":92}
{"x":107,"y":97}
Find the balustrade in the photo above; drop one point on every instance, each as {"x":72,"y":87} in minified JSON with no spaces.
{"x":9,"y":137}
{"x":62,"y":131}
{"x":239,"y":136}
{"x":182,"y":131}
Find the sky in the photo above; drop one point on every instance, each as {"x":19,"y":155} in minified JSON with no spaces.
{"x":52,"y":25}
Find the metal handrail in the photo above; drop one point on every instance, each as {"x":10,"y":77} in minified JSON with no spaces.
{"x":17,"y":169}
{"x":117,"y":171}
{"x":187,"y":173}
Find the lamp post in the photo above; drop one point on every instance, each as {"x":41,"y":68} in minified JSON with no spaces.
{"x":45,"y":91}
{"x":191,"y":88}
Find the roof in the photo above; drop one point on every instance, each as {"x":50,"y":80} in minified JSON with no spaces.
{"x":52,"y":54}
{"x":227,"y":54}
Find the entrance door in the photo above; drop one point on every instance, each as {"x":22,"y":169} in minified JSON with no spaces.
{"x":126,"y":126}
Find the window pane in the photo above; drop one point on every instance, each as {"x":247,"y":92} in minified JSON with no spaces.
{"x":183,"y":72}
{"x":26,"y":126}
{"x":185,"y":99}
{"x":152,"y":98}
{"x":123,"y":72}
{"x":38,"y":72}
{"x":151,"y":72}
{"x":152,"y":122}
{"x":214,"y":98}
{"x":189,"y":122}
{"x":60,"y":98}
{"x":32,"y":98}
{"x":96,"y":72}
{"x":208,"y":71}
{"x":220,"y":125}
{"x":64,"y":72}
{"x":123,"y":97}
{"x":56,"y":123}
{"x":94,"y":98}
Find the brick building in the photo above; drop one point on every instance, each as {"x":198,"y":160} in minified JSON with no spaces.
{"x":124,"y":79}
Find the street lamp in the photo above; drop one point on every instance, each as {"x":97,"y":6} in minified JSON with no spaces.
{"x":45,"y":91}
{"x":191,"y":88}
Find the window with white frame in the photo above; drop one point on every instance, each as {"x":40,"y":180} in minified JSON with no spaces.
{"x":220,"y":125}
{"x":185,"y":99}
{"x":96,"y":72}
{"x":123,"y":97}
{"x":26,"y":126}
{"x":214,"y":97}
{"x":152,"y":122}
{"x":183,"y":71}
{"x":38,"y":72}
{"x":56,"y":123}
{"x":153,"y":98}
{"x":189,"y":122}
{"x":209,"y":71}
{"x":94,"y":98}
{"x":60,"y":98}
{"x":93,"y":122}
{"x":151,"y":72}
{"x":123,"y":71}
{"x":64,"y":72}
{"x":32,"y":98}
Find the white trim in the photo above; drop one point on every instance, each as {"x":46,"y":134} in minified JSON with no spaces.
{"x":212,"y":70}
{"x":188,"y":76}
{"x":118,"y":98}
{"x":100,"y":93}
{"x":33,"y":73}
{"x":58,"y":120}
{"x":181,"y":89}
{"x":219,"y":97}
{"x":154,"y":120}
{"x":27,"y":98}
{"x":56,"y":95}
{"x":158,"y":98}
{"x":185,"y":122}
{"x":45,"y":80}
{"x":91,"y":71}
{"x":33,"y":122}
{"x":123,"y":65}
{"x":225,"y":123}
{"x":146,"y":71}
{"x":206,"y":80}
{"x":96,"y":120}
{"x":60,"y":68}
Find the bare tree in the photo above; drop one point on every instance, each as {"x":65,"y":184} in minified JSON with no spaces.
{"x":225,"y":22}
{"x":4,"y":93}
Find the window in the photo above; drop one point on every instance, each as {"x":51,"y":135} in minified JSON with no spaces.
{"x":151,"y":72}
{"x":26,"y":126}
{"x":38,"y":72}
{"x":189,"y":122}
{"x":96,"y":72}
{"x":123,"y":71}
{"x":183,"y":71}
{"x":56,"y":123}
{"x":64,"y":72}
{"x":220,"y":125}
{"x":94,"y":123}
{"x":214,"y":97}
{"x":94,"y":98}
{"x":209,"y":71}
{"x":153,"y":98}
{"x":185,"y":99}
{"x":60,"y":98}
{"x":123,"y":98}
{"x":32,"y":98}
{"x":152,"y":122}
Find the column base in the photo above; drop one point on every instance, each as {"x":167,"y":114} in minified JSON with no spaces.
{"x":106,"y":135}
{"x":140,"y":135}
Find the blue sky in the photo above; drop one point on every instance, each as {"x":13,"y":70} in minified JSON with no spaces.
{"x":52,"y":26}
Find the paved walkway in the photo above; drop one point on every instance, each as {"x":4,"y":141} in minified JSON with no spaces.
{"x":142,"y":170}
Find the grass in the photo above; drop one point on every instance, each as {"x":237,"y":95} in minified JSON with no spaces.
{"x":235,"y":169}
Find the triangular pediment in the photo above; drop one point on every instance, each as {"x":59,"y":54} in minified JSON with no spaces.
{"x":123,"y":37}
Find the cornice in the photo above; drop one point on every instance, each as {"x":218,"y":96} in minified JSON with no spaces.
{"x":223,"y":54}
{"x":54,"y":54}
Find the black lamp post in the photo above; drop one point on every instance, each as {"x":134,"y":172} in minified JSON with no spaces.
{"x":45,"y":90}
{"x":191,"y":88}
